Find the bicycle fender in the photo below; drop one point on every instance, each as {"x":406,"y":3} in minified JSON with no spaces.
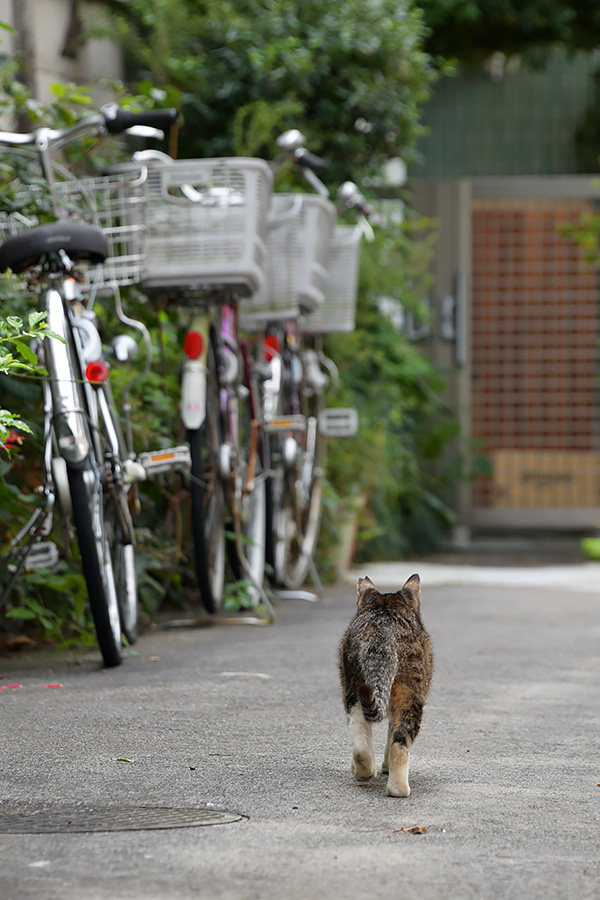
{"x":69,"y":415}
{"x":193,"y":381}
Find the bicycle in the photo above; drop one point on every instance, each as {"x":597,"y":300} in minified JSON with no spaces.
{"x":311,"y":290}
{"x":205,"y":230}
{"x":89,"y":469}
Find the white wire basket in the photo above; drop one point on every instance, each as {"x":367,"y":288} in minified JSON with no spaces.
{"x":206,"y":225}
{"x":338,"y":312}
{"x":300,"y":228}
{"x":114,"y":204}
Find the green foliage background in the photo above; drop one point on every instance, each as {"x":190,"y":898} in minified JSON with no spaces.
{"x":352,"y":73}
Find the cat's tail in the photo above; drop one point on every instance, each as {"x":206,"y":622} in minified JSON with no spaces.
{"x":374,"y":706}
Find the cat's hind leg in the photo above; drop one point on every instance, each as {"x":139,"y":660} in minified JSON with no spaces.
{"x":363,"y":758}
{"x":405,"y":721}
{"x":385,"y":768}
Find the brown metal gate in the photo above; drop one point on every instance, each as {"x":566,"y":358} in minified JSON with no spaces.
{"x":534,"y":365}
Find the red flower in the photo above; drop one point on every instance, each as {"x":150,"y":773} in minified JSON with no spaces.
{"x":13,"y":440}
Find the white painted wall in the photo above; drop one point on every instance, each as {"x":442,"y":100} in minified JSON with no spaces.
{"x":43,"y":26}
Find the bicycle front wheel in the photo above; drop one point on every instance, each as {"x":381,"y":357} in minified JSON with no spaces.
{"x":94,"y":537}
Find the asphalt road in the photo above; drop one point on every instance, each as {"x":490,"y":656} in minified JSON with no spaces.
{"x":504,"y":774}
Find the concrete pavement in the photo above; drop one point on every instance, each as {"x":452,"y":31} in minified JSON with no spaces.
{"x":504,"y":773}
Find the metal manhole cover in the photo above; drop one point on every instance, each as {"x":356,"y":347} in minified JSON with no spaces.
{"x":145,"y":818}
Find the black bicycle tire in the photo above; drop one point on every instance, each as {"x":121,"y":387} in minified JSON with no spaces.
{"x":119,"y":525}
{"x":198,"y":439}
{"x":94,"y":570}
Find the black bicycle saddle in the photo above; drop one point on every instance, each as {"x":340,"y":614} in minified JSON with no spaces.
{"x":81,"y":243}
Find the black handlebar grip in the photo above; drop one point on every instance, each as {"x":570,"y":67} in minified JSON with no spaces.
{"x":119,"y":120}
{"x":309,"y":160}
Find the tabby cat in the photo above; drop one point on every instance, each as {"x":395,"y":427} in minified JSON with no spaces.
{"x":386,"y":666}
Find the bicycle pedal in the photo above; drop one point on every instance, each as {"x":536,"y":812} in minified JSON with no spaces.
{"x":286,"y":423}
{"x":173,"y":459}
{"x":338,"y":423}
{"x":43,"y":555}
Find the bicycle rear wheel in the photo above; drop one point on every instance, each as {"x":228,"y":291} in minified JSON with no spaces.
{"x":95,"y":535}
{"x":208,"y":495}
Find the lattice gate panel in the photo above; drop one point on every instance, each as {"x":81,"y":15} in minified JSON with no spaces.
{"x":535,"y":331}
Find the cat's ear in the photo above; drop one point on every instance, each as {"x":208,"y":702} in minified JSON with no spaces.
{"x":363,"y":587}
{"x":412,"y":591}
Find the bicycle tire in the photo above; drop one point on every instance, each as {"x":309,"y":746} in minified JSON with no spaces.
{"x":119,"y":527}
{"x":296,"y":496}
{"x":89,"y":504}
{"x":208,"y":495}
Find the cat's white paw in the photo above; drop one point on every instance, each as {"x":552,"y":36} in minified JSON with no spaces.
{"x":397,"y":785}
{"x":397,"y":788}
{"x":363,"y":766}
{"x":385,"y":767}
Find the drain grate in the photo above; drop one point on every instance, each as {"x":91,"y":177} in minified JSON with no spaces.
{"x":145,"y":818}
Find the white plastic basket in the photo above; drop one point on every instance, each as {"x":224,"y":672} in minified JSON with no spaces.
{"x":300,"y":228}
{"x":206,"y":225}
{"x":338,"y":312}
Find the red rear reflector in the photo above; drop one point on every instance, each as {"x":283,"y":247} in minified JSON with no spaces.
{"x":97,"y":372}
{"x":272,"y":346}
{"x":193,"y":344}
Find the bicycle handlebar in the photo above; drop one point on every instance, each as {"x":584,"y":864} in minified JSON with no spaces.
{"x":119,"y":120}
{"x":111,"y":119}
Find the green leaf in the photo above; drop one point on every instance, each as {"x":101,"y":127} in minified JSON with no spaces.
{"x":26,"y":352}
{"x":58,"y":89}
{"x":35,"y":318}
{"x":52,"y":334}
{"x":19,"y":612}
